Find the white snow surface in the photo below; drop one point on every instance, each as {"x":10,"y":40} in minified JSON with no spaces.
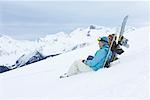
{"x":127,"y":79}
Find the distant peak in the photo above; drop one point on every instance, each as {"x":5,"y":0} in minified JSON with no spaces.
{"x":92,"y":27}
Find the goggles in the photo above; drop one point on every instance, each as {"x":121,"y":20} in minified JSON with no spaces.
{"x":101,"y":39}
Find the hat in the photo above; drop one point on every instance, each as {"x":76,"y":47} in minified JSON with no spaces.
{"x":103,"y":39}
{"x":111,"y":36}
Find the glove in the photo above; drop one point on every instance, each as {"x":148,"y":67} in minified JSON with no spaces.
{"x":83,"y":60}
{"x":90,"y":57}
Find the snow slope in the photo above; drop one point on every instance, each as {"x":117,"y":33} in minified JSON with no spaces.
{"x":127,"y":79}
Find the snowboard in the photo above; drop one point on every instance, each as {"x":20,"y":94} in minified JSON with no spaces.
{"x":121,"y":39}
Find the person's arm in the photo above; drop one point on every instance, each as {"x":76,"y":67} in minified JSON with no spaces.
{"x":100,"y":54}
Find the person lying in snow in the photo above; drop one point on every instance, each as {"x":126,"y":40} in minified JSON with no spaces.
{"x":92,"y":63}
{"x":116,"y":48}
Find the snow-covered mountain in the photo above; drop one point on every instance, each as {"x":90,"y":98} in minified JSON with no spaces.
{"x":61,"y":42}
{"x":127,"y":79}
{"x":10,"y":46}
{"x":11,"y":49}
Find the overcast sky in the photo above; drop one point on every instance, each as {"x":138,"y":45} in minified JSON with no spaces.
{"x":33,"y":19}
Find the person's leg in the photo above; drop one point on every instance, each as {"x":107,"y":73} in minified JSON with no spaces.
{"x":78,"y":67}
{"x":113,"y":56}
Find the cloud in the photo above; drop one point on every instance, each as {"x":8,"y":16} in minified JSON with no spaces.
{"x":39,"y":16}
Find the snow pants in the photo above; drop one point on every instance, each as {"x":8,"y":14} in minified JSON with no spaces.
{"x":78,"y":67}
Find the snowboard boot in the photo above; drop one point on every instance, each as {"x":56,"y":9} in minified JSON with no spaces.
{"x":107,"y":65}
{"x":115,"y":58}
{"x":64,"y":76}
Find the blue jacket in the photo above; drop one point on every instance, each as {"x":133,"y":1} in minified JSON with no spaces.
{"x":99,"y":58}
